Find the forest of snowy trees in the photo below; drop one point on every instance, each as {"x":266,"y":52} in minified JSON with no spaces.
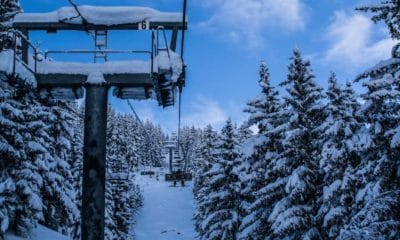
{"x":41,"y":143}
{"x":41,"y":151}
{"x":322,"y":165}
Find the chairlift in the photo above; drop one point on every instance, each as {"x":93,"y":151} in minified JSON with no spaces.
{"x":177,"y":172}
{"x":157,"y":77}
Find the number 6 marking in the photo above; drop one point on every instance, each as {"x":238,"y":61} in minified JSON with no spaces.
{"x":144,"y":25}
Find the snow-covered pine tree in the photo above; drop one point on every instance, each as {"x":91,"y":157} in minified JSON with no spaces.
{"x":339,"y":158}
{"x":123,"y":197}
{"x":22,"y":154}
{"x":153,"y":144}
{"x":188,"y":139}
{"x":159,"y":140}
{"x":135,"y":138}
{"x":388,"y":12}
{"x":244,"y":132}
{"x":110,"y":225}
{"x":260,"y":151}
{"x":130,"y":132}
{"x":59,"y":197}
{"x":117,"y":177}
{"x":200,"y":188}
{"x":220,"y":208}
{"x":208,"y":156}
{"x":293,"y":215}
{"x":8,"y":9}
{"x":197,"y":158}
{"x":379,"y":170}
{"x":76,"y":163}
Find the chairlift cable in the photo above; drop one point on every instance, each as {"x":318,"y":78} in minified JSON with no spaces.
{"x":138,"y":119}
{"x":180,"y":81}
{"x":179,"y":116}
{"x":183,"y":26}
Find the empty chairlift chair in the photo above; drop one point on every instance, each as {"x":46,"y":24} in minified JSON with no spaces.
{"x":176,"y":162}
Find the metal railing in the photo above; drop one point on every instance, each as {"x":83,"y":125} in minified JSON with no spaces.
{"x":21,"y":53}
{"x":155,"y":43}
{"x":21,"y":46}
{"x":83,"y":51}
{"x":153,"y":52}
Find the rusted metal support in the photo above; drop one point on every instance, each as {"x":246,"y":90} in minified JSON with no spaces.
{"x":94,"y":163}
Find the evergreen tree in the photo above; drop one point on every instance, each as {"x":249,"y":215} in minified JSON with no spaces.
{"x":122,"y":195}
{"x":339,"y":158}
{"x":388,"y":12}
{"x":200,"y":188}
{"x":379,"y":169}
{"x":187,"y":143}
{"x":76,"y":163}
{"x":244,"y":132}
{"x":293,"y":215}
{"x":8,"y":9}
{"x":152,"y":145}
{"x":197,"y":158}
{"x":36,"y":179}
{"x":117,"y":176}
{"x":135,"y":138}
{"x":221,"y":206}
{"x":22,"y":154}
{"x":260,"y":151}
{"x":59,"y":197}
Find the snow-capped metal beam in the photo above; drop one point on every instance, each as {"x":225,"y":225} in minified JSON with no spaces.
{"x":75,"y":80}
{"x":53,"y":27}
{"x":95,"y":18}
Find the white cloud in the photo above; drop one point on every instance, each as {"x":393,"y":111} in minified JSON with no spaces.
{"x":244,"y":20}
{"x":199,"y":112}
{"x":354,"y":41}
{"x":204,"y":111}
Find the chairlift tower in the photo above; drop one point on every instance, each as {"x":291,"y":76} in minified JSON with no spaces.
{"x":158,"y":78}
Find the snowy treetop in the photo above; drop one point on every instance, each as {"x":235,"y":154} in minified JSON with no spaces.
{"x":100,"y":15}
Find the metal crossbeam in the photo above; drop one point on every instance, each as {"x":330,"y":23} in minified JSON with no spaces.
{"x":57,"y":26}
{"x":73,"y":80}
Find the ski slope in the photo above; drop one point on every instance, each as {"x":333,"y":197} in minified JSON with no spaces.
{"x":39,"y":233}
{"x":167,"y":211}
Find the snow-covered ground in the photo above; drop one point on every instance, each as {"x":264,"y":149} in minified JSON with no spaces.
{"x":39,"y":233}
{"x":167,"y":211}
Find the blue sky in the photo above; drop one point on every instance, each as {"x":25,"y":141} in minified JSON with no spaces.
{"x":226,"y":41}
